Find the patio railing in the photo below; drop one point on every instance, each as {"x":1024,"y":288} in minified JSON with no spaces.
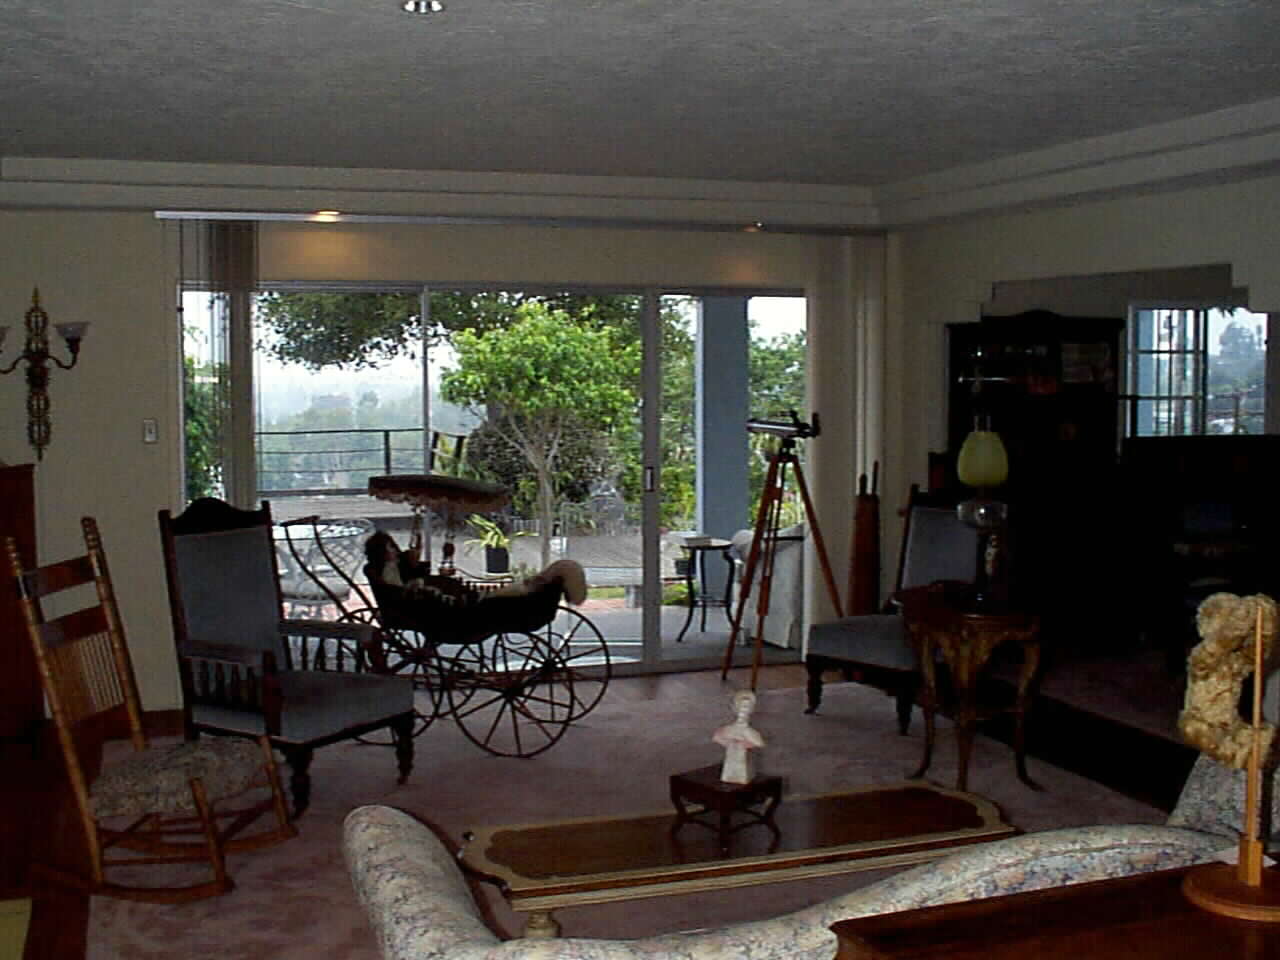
{"x":309,"y":462}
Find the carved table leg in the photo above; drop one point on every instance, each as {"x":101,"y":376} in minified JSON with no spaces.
{"x":1026,"y":680}
{"x":928,"y":697}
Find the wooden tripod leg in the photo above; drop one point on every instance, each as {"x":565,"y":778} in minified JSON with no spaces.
{"x":753,"y":556}
{"x":769,"y":551}
{"x":772,"y":500}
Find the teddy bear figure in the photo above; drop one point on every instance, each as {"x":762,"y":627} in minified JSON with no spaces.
{"x":1216,"y":670}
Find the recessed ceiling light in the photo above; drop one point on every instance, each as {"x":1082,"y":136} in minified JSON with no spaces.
{"x":422,"y":6}
{"x":327,"y":216}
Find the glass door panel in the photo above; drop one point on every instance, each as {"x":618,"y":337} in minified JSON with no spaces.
{"x":542,"y":392}
{"x":551,"y":384}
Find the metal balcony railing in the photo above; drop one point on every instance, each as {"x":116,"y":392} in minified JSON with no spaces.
{"x":338,"y":461}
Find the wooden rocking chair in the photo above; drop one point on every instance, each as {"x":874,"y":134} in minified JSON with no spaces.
{"x":163,"y":803}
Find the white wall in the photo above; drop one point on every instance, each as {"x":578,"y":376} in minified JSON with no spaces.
{"x":118,"y":270}
{"x":943,"y":274}
{"x":108,"y":269}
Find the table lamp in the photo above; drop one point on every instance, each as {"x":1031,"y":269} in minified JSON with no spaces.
{"x":983,"y":464}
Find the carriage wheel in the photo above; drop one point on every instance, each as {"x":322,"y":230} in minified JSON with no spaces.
{"x":510,"y":694}
{"x":585,"y":655}
{"x":408,"y":654}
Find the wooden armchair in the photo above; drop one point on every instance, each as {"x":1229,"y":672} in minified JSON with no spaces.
{"x":245,"y":670}
{"x":165,"y":803}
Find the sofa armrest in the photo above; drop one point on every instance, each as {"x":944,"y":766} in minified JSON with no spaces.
{"x":410,"y":886}
{"x":1033,"y":861}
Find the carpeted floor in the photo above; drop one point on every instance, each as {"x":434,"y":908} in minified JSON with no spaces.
{"x":295,"y":901}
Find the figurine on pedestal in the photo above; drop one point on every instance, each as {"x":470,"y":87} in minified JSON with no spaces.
{"x":738,"y":738}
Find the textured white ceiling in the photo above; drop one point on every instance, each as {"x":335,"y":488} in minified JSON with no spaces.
{"x":811,"y":91}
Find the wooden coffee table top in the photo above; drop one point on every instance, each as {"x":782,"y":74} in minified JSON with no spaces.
{"x":600,"y":859}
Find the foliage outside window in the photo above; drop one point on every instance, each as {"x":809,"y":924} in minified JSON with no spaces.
{"x":553,"y":382}
{"x":1196,"y":371}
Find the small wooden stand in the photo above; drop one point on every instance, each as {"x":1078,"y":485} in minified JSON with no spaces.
{"x":1245,"y":890}
{"x":705,"y":788}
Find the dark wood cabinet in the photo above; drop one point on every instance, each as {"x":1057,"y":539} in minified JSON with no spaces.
{"x":1050,"y":386}
{"x":21,"y":703}
{"x":23,"y":799}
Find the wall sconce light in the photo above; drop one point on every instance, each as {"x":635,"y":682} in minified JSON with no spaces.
{"x":35,"y":354}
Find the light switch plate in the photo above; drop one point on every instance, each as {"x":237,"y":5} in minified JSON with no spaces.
{"x":150,"y":431}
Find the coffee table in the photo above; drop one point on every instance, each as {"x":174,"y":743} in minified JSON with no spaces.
{"x":542,"y":867}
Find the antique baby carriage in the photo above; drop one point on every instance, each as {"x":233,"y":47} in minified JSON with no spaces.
{"x":511,"y":663}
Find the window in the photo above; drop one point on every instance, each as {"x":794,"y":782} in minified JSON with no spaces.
{"x":1196,"y":370}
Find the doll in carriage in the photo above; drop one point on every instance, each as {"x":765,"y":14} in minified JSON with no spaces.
{"x":451,"y":610}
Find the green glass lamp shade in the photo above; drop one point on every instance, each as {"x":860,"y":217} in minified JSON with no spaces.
{"x":982,"y":461}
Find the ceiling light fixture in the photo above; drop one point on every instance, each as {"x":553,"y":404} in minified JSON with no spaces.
{"x":326,"y":216}
{"x":422,"y":6}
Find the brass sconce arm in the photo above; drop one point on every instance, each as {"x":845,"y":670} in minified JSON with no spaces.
{"x":35,"y":354}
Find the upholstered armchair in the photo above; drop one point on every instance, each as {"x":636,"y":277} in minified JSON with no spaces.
{"x":873,"y":648}
{"x":246,"y":671}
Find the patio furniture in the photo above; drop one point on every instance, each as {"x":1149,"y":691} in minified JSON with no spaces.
{"x":318,"y":559}
{"x":697,"y":549}
{"x":784,"y":627}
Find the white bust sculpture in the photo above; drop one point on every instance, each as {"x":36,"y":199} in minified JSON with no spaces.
{"x":738,"y":738}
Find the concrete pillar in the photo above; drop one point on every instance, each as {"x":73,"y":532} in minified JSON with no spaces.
{"x":720,"y":418}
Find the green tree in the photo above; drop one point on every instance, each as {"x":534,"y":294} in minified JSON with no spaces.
{"x":776,"y":373}
{"x":201,"y":425}
{"x":539,"y":378}
{"x":362,"y":330}
{"x":1237,"y":378}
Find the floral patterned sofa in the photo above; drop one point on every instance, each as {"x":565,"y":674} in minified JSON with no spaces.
{"x":421,"y":907}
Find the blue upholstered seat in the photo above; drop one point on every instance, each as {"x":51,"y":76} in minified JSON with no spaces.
{"x":245,"y":670}
{"x":936,"y":546}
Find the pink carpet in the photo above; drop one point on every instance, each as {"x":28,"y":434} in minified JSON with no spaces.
{"x":295,"y":901}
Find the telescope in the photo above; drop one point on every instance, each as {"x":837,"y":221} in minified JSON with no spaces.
{"x":789,"y":429}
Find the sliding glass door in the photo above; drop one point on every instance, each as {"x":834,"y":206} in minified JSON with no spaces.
{"x":616,"y":420}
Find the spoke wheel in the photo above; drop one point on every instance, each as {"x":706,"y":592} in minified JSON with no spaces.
{"x":582,"y":650}
{"x":409,"y":654}
{"x":510,"y":694}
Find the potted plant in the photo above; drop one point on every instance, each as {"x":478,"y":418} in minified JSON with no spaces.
{"x":495,"y":540}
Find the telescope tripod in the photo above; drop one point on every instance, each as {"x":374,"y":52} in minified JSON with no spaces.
{"x":764,"y":550}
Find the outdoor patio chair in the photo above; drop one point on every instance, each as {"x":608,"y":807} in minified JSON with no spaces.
{"x":164,"y":803}
{"x":245,"y":670}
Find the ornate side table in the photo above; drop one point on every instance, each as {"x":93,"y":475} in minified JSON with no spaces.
{"x":942,"y":623}
{"x":715,"y":798}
